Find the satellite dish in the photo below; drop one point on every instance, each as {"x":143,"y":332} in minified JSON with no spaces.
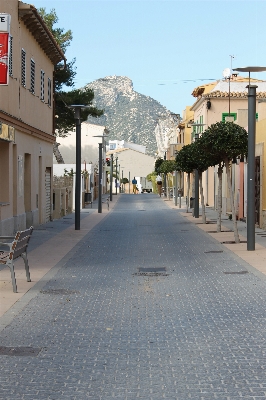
{"x":227,"y":73}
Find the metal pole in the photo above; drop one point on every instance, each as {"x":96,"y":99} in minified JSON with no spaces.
{"x":164,"y":177}
{"x":251,"y":167}
{"x":78,"y":169}
{"x":176,"y":188}
{"x":129,"y":182}
{"x":196,"y":200}
{"x":100,"y":178}
{"x":111,"y":178}
{"x":119,"y":178}
{"x":116,"y":176}
{"x":123,"y":180}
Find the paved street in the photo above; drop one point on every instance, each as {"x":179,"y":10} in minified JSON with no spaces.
{"x":145,"y":306}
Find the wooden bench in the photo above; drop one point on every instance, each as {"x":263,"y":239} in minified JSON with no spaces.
{"x":12,"y":248}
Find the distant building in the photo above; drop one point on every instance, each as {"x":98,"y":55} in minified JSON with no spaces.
{"x":26,"y":120}
{"x":121,"y":144}
{"x":132,"y":163}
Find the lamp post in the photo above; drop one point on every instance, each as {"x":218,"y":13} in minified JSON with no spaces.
{"x":116,"y":175}
{"x":77,"y":109}
{"x":251,"y":156}
{"x":100,"y":178}
{"x":111,"y":177}
{"x":164,"y":177}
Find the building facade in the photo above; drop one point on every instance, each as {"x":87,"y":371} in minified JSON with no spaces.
{"x":26,"y":120}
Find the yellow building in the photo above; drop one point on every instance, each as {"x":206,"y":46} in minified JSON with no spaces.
{"x":26,"y":120}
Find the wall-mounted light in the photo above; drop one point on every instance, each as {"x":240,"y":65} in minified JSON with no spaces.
{"x":189,"y":123}
{"x":208,"y":104}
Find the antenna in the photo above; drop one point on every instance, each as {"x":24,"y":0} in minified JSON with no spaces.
{"x":232,"y":56}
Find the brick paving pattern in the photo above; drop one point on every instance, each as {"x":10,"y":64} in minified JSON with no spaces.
{"x":102,"y":330}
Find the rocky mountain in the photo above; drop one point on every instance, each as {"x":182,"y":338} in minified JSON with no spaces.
{"x":129,"y":115}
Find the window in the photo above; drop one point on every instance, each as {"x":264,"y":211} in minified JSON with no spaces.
{"x":32,"y":76}
{"x":42,"y":85}
{"x":23,"y":67}
{"x":49,"y":92}
{"x":10,"y":61}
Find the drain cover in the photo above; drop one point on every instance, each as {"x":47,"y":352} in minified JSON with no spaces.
{"x":160,"y":271}
{"x":213,"y":251}
{"x":19,"y":351}
{"x":236,"y":273}
{"x":59,"y":291}
{"x":233,"y":242}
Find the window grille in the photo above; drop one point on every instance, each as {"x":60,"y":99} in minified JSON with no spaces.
{"x":42,"y":85}
{"x":32,"y":76}
{"x":49,"y":92}
{"x":10,"y":61}
{"x":23,"y":67}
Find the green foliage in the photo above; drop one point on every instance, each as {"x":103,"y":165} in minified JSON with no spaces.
{"x":64,"y":76}
{"x":151,"y":175}
{"x":221,"y":141}
{"x":64,"y":115}
{"x":224,"y":140}
{"x":124,"y":180}
{"x":158,"y":163}
{"x":51,"y":18}
{"x":167,"y":166}
{"x":185,"y":161}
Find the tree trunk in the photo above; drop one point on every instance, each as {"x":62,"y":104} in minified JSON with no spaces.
{"x":188,"y":188}
{"x":202,"y":199}
{"x":237,"y":240}
{"x":219,"y":200}
{"x":57,"y":154}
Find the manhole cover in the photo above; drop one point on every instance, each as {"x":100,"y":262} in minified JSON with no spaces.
{"x":19,"y":351}
{"x":213,"y":251}
{"x":233,"y":242}
{"x":236,"y":273}
{"x":59,"y":291}
{"x":160,"y":271}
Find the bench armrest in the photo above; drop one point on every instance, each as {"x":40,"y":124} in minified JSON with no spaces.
{"x":5,"y":246}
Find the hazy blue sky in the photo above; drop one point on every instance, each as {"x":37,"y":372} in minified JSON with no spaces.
{"x":166,"y":47}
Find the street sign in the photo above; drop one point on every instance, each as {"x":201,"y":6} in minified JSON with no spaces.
{"x":4,"y":47}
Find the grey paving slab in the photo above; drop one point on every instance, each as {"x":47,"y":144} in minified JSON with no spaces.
{"x":107,"y":331}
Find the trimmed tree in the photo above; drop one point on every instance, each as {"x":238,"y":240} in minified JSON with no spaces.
{"x":225,"y":141}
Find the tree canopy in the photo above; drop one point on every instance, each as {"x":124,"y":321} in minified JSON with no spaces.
{"x":64,"y":77}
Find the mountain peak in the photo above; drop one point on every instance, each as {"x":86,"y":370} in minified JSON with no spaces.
{"x":128,"y":115}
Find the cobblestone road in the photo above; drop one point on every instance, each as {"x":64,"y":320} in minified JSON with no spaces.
{"x":104,"y":328}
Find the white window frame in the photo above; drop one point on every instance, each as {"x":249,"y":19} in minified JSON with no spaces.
{"x":23,"y":67}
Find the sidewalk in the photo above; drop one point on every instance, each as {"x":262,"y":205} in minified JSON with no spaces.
{"x":256,"y":259}
{"x":52,"y":244}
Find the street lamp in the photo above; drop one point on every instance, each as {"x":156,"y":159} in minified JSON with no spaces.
{"x":251,"y":156}
{"x":116,"y":175}
{"x":111,"y":177}
{"x":100,"y":178}
{"x":77,"y":108}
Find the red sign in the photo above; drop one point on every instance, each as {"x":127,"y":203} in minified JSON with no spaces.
{"x":4,"y":39}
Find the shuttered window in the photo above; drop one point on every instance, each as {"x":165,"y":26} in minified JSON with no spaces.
{"x":32,"y":76}
{"x":42,"y":85}
{"x":23,"y":67}
{"x":49,"y":92}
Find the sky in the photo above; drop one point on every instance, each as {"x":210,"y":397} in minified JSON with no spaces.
{"x":166,"y":47}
